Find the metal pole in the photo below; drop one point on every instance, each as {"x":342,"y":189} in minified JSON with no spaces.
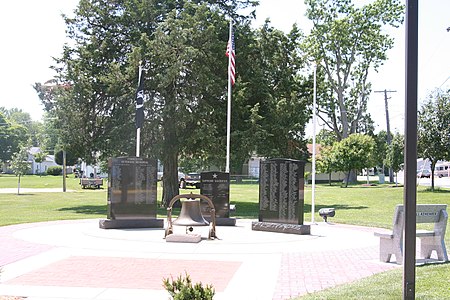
{"x":388,"y":128}
{"x":227,"y":164}
{"x":64,"y":170}
{"x":313,"y":167}
{"x":409,"y":195}
{"x":138,"y":141}
{"x":138,"y":130}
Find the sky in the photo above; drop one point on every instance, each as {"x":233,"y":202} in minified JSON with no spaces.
{"x":32,"y":32}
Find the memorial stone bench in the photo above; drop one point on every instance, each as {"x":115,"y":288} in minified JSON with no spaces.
{"x":392,"y":243}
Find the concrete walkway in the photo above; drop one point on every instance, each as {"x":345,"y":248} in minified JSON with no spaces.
{"x":77,"y":260}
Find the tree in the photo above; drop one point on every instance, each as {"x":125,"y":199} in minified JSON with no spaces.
{"x":325,"y":162}
{"x":276,"y":95}
{"x":433,"y":130}
{"x":12,"y":135}
{"x":20,"y":164}
{"x":348,"y":42}
{"x":381,"y":148}
{"x":40,"y":157}
{"x":181,"y":45}
{"x":395,"y":153}
{"x":326,"y":137}
{"x":353,"y":153}
{"x":71,"y":160}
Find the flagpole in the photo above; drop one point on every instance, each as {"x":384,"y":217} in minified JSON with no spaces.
{"x":227,"y":165}
{"x":313,"y":167}
{"x":138,"y":130}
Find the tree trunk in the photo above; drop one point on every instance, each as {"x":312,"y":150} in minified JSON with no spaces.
{"x":433,"y":164}
{"x":351,"y":177}
{"x":170,"y":177}
{"x":18,"y":186}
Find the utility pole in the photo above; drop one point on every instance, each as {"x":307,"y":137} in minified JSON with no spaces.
{"x":388,"y":128}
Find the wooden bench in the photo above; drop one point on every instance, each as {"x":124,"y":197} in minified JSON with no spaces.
{"x":392,"y":243}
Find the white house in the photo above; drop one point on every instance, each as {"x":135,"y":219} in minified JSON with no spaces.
{"x":39,"y":168}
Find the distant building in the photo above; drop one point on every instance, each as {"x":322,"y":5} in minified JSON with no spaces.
{"x":40,"y":167}
{"x":251,"y":168}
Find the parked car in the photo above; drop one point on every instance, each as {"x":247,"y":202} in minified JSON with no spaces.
{"x":181,"y":178}
{"x":424,"y":173}
{"x":193,"y":179}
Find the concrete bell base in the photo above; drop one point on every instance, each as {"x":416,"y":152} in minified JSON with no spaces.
{"x":131,"y":223}
{"x":223,"y":221}
{"x":183,"y":238}
{"x":281,"y":228}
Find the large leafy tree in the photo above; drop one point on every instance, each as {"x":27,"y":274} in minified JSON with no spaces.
{"x":12,"y":134}
{"x":433,"y":131}
{"x":180,"y":43}
{"x":353,"y":153}
{"x":276,"y":96}
{"x":347,"y":42}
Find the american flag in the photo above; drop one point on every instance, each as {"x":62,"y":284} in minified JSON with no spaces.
{"x":231,"y":54}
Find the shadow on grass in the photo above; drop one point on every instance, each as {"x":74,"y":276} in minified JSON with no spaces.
{"x":86,"y":209}
{"x":436,"y":190}
{"x":335,"y":206}
{"x":251,"y":210}
{"x":359,"y":184}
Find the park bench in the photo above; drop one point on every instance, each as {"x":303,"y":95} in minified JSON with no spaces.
{"x":91,"y":183}
{"x":392,"y":243}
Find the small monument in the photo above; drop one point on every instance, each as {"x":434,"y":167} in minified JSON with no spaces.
{"x":281,"y":197}
{"x":132,"y":194}
{"x":216,"y":186}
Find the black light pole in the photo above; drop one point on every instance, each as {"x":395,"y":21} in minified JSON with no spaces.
{"x":409,"y":190}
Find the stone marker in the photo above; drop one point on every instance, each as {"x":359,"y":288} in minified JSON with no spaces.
{"x":281,"y":197}
{"x":216,"y":186}
{"x":132,"y":196}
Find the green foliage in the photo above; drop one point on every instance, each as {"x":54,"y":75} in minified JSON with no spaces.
{"x":19,"y":163}
{"x":71,"y":159}
{"x":274,"y":99}
{"x":347,"y":42}
{"x":326,"y":138}
{"x":182,"y":289}
{"x":353,"y":153}
{"x":381,"y":147}
{"x":54,"y":170}
{"x":394,"y":155}
{"x":12,"y":136}
{"x":433,"y":130}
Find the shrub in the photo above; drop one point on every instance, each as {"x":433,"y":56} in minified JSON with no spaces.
{"x":182,"y":289}
{"x":54,"y":170}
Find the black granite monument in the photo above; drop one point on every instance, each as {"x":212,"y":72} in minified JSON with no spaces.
{"x":216,"y":186}
{"x":281,"y":197}
{"x":132,"y":194}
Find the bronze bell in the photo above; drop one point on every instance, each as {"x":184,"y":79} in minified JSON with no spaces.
{"x":190,"y":214}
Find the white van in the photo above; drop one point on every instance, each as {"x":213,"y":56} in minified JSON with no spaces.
{"x":442,"y":169}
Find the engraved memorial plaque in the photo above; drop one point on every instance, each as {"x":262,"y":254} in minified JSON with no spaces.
{"x":132,"y":188}
{"x":281,"y":191}
{"x":216,"y":186}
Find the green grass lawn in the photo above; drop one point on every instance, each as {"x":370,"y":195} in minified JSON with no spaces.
{"x":357,"y":204}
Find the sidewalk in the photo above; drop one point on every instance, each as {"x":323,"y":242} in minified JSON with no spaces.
{"x":77,"y":260}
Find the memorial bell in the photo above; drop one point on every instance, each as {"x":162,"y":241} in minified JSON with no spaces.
{"x":190,"y":214}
